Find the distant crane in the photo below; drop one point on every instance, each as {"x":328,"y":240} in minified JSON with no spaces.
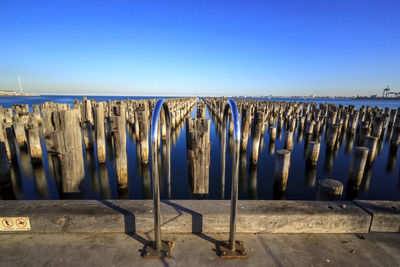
{"x":20,"y":84}
{"x":387,"y":92}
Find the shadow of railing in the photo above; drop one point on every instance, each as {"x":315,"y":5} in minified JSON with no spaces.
{"x":129,"y":222}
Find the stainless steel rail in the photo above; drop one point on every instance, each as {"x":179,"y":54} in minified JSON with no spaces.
{"x":159,"y":249}
{"x":231,"y":105}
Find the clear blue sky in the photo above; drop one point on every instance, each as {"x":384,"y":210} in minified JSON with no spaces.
{"x":324,"y":47}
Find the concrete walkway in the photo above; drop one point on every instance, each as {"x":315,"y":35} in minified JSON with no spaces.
{"x":373,"y":249}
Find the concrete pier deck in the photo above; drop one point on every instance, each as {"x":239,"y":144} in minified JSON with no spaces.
{"x":119,"y":249}
{"x":275,"y":233}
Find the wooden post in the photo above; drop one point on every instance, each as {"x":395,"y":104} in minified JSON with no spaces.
{"x":357,"y":166}
{"x":8,"y":115}
{"x":332,"y":136}
{"x":370,"y":142}
{"x":363,"y":132}
{"x":353,"y":123}
{"x":257,"y":134}
{"x":245,"y":128}
{"x":68,"y":144}
{"x":288,"y":143}
{"x":201,"y":110}
{"x":144,"y":133}
{"x":3,"y":138}
{"x":163,"y":125}
{"x":35,"y":148}
{"x":19,"y":131}
{"x":395,"y":140}
{"x":329,"y":189}
{"x":198,"y":154}
{"x":309,"y":129}
{"x":119,"y":136}
{"x":312,"y":153}
{"x":230,"y":131}
{"x":137,"y":131}
{"x":281,"y":170}
{"x":36,"y":113}
{"x":10,"y":143}
{"x":173,"y":119}
{"x":5,"y":167}
{"x":87,"y":123}
{"x":392,"y":117}
{"x":100,"y":134}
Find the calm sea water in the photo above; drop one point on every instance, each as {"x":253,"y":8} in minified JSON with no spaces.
{"x":382,"y":181}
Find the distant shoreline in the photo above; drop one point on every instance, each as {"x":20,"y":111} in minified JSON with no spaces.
{"x":17,"y":95}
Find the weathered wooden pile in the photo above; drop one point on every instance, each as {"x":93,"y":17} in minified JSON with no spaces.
{"x":71,"y":131}
{"x":368,"y":125}
{"x":198,"y":151}
{"x":102,"y":128}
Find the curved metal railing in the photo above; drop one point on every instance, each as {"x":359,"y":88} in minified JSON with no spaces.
{"x":231,"y":105}
{"x":158,"y":250}
{"x":155,"y":134}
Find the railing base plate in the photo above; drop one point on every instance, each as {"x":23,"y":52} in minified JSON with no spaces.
{"x":165,"y":252}
{"x":225,"y":253}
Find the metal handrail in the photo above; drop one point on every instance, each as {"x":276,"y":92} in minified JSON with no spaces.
{"x":231,"y":105}
{"x":155,"y":134}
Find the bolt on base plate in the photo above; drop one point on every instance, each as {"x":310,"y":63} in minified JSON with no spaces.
{"x":225,"y":253}
{"x":165,"y":251}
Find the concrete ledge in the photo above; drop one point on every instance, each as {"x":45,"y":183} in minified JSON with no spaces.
{"x":385,"y":214}
{"x":187,"y":216}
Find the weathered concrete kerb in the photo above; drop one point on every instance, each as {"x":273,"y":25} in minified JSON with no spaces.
{"x":206,"y":216}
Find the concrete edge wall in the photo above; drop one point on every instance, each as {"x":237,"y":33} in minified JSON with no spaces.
{"x":204,"y":216}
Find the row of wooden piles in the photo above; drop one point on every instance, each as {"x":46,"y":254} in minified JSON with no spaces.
{"x":367,"y":126}
{"x":71,"y":131}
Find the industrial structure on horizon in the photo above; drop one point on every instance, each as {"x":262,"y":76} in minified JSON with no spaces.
{"x":387,"y":93}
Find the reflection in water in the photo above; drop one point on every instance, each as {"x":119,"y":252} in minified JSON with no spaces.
{"x":146,"y":181}
{"x":26,"y":166}
{"x":138,"y":160}
{"x":310,"y":175}
{"x":41,"y":182}
{"x":398,"y":184}
{"x":328,"y":163}
{"x":391,"y":160}
{"x":366,"y":178}
{"x":299,"y":136}
{"x":349,"y":144}
{"x":30,"y":183}
{"x":6,"y":186}
{"x":16,"y":180}
{"x":341,"y":138}
{"x":351,"y":193}
{"x":335,"y":150}
{"x":262,"y":144}
{"x":253,"y":182}
{"x":104,"y":182}
{"x":231,"y":145}
{"x":271,"y":148}
{"x":92,"y":171}
{"x":243,"y":172}
{"x":123,"y":194}
{"x":279,"y":194}
{"x":388,"y":134}
{"x":164,"y":168}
